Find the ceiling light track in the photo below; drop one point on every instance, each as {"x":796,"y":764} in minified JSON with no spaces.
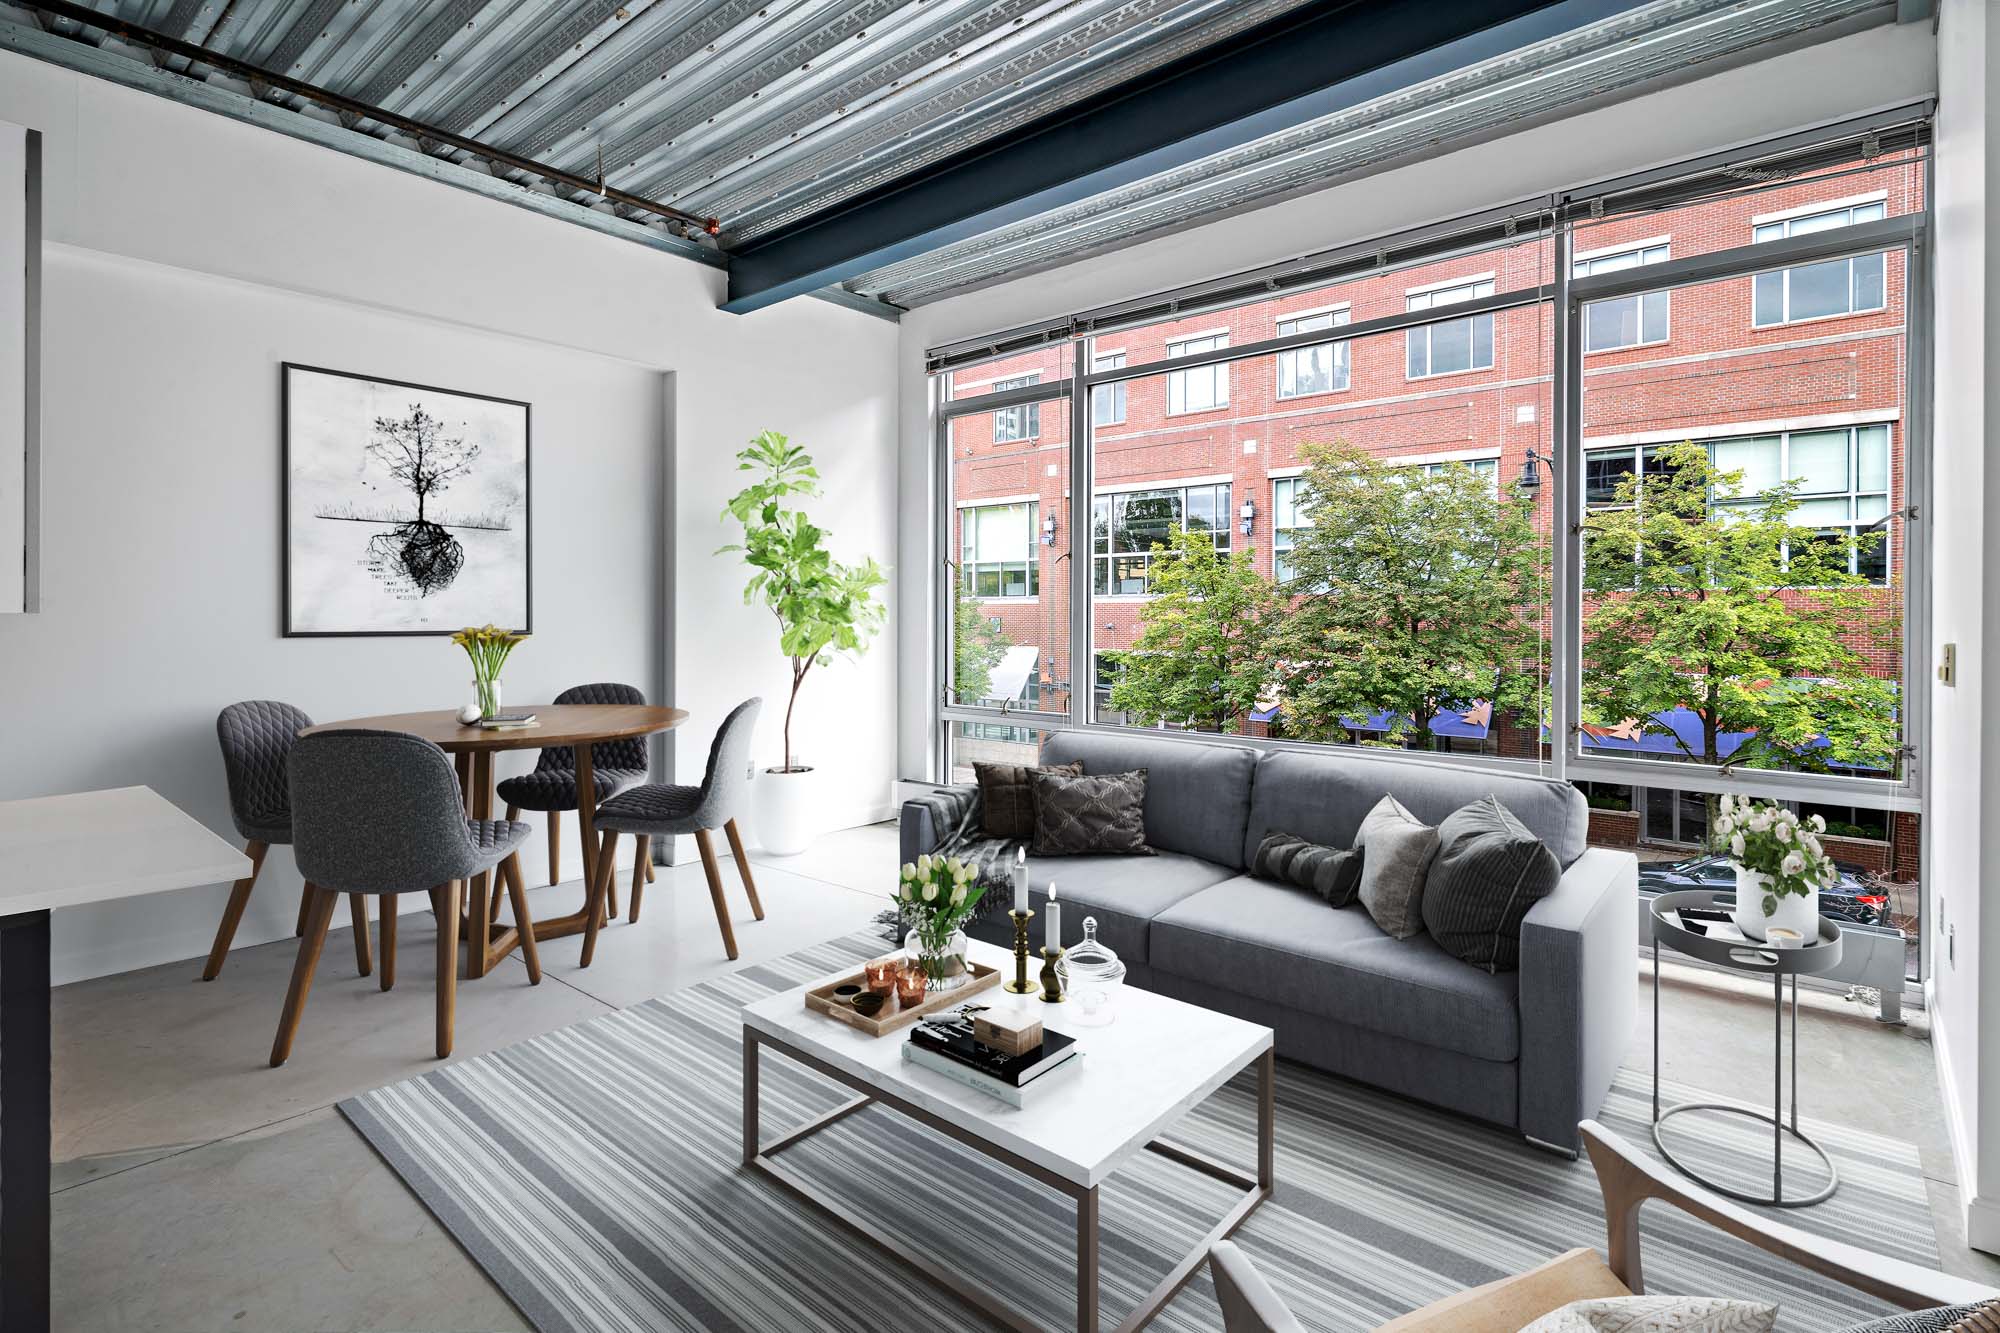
{"x":347,"y":106}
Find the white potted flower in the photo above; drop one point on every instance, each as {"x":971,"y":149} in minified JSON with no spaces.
{"x":1780,"y":866}
{"x":935,"y":894}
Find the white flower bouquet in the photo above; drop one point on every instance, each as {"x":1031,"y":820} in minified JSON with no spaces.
{"x":1772,"y":841}
{"x":935,"y":894}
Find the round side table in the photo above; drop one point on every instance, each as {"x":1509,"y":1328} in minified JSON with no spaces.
{"x":1747,"y":957}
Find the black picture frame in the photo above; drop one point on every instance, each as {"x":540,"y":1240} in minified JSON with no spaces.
{"x":287,"y":628}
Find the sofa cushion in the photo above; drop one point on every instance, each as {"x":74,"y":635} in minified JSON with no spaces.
{"x":1197,"y":792}
{"x":1488,"y":871}
{"x":1123,"y":893}
{"x":1396,"y":851}
{"x":1083,"y":814}
{"x":1324,"y":797}
{"x":1007,"y":798}
{"x":1284,"y":945}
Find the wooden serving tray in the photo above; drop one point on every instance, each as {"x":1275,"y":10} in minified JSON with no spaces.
{"x":893,"y":1015}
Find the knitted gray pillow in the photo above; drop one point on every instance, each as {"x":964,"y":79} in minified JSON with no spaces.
{"x":1334,"y":873}
{"x":1089,"y":813}
{"x":1935,"y":1320}
{"x":1396,"y":854}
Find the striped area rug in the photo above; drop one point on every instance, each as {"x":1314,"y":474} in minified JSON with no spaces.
{"x":593,"y":1173}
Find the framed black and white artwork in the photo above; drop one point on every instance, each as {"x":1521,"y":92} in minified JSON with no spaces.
{"x":406,"y":507}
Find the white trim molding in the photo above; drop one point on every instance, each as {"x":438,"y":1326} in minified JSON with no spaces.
{"x":1163,"y":484}
{"x":1814,"y":210}
{"x":1622,"y":248}
{"x":995,"y":501}
{"x":1445,"y":284}
{"x":1729,"y":430}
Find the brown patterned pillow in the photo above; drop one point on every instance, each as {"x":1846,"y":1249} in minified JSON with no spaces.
{"x":1090,"y":814}
{"x":1006,"y":801}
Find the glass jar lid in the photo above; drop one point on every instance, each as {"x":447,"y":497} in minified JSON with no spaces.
{"x":1092,"y":960}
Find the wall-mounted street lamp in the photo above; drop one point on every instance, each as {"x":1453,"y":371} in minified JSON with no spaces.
{"x":1531,"y":472}
{"x":1249,"y":516}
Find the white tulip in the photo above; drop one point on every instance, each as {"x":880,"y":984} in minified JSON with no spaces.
{"x":1736,"y":845}
{"x":909,"y":870}
{"x":958,"y":896}
{"x":930,"y":892}
{"x":1793,"y":864}
{"x":924,"y":864}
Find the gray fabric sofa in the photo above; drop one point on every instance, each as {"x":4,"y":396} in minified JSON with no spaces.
{"x":1534,"y":1050}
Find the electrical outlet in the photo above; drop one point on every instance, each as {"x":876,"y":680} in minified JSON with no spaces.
{"x":1947,"y":672}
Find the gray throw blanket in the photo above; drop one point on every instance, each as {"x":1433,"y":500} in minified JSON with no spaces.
{"x":954,"y":812}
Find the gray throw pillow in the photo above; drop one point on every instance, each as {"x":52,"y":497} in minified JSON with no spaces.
{"x":1089,"y":813}
{"x":1939,"y":1319}
{"x":1489,"y":870}
{"x":1007,"y":801}
{"x":1331,"y":872}
{"x":1396,"y":849}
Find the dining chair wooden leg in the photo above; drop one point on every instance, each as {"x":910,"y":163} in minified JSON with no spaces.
{"x":358,"y":909}
{"x":232,"y":915}
{"x":714,"y":871}
{"x":517,"y":892}
{"x":319,"y":915}
{"x":743,"y":867}
{"x":649,"y":870}
{"x":593,"y":906}
{"x":305,"y":906}
{"x":493,"y":903}
{"x":555,"y":847}
{"x":642,"y":857}
{"x":447,"y":965}
{"x":388,"y":928}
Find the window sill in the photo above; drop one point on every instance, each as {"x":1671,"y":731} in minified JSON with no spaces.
{"x":1628,"y":347}
{"x":1029,"y":600}
{"x":1448,"y":374}
{"x":1316,"y":393}
{"x":1819,"y":319}
{"x":1198,"y":411}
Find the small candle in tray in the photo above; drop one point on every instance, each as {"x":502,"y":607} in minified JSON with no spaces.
{"x":881,"y":974}
{"x":910,"y":987}
{"x":1783,"y":937}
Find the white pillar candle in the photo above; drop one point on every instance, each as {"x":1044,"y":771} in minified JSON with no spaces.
{"x":1021,"y":880}
{"x":1055,"y":921}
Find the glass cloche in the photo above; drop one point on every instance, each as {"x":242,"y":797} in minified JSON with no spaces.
{"x":1091,"y":975}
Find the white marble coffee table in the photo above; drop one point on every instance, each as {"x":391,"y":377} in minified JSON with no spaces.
{"x":1141,"y":1073}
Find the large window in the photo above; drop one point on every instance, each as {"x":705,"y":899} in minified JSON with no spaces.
{"x":1320,"y":368}
{"x":1000,"y":558}
{"x":1288,"y":516}
{"x":1204,"y":388}
{"x":1823,"y":290}
{"x":1017,"y":423}
{"x":1125,"y":527}
{"x":1107,"y":401}
{"x":1623,"y":321}
{"x":1452,"y":345}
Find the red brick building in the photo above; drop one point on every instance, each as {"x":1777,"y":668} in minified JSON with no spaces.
{"x":1794,"y":374}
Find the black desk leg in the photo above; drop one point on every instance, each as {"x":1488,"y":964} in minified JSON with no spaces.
{"x":24,"y":1122}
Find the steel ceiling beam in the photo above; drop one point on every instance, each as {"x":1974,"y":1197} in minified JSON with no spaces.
{"x":1322,"y":59}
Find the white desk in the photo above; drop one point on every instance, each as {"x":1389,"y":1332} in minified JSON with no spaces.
{"x":65,"y":851}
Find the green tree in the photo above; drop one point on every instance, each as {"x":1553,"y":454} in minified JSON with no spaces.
{"x":1416,"y":591}
{"x":1723,"y":602}
{"x":977,"y":646}
{"x":823,"y":607}
{"x":1203,"y":654}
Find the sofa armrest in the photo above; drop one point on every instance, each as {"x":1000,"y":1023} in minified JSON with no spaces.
{"x":931,"y":818}
{"x":1579,"y":994}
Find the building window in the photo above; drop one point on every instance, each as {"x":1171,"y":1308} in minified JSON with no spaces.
{"x":1107,"y":401}
{"x":1624,"y":321}
{"x":1455,"y":344}
{"x":1204,"y":387}
{"x":1287,"y":517}
{"x":1014,"y":424}
{"x":1127,"y":525}
{"x":998,"y":541}
{"x":1818,"y":291}
{"x":1842,"y":476}
{"x":1320,"y":368}
{"x":1486,"y":469}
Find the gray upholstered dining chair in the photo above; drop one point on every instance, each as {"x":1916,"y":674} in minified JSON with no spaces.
{"x":660,"y":810}
{"x":381,"y":812}
{"x":551,"y":786}
{"x":257,"y":737}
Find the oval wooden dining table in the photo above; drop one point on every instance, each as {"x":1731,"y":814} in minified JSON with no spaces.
{"x":578,"y":726}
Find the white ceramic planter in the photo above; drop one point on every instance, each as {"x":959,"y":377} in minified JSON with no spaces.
{"x":1793,"y":912}
{"x":787,"y":810}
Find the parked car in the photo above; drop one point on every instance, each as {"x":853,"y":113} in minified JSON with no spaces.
{"x":1851,"y":898}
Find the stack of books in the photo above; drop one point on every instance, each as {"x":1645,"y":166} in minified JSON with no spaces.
{"x":508,"y":721}
{"x":944,"y":1043}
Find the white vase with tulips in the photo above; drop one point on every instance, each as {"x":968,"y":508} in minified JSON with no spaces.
{"x":935,"y":895}
{"x":1780,"y":866}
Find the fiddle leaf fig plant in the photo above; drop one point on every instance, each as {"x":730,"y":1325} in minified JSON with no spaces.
{"x":824,"y":608}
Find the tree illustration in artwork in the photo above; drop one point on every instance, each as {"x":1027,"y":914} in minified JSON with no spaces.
{"x":419,"y":453}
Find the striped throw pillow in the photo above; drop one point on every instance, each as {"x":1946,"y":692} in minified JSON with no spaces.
{"x":1331,"y":872}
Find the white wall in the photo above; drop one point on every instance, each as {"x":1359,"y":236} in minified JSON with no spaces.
{"x":189,"y":255}
{"x":1962,"y":864}
{"x":1882,"y":67}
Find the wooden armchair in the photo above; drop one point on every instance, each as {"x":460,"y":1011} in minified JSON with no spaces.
{"x":1627,"y":1179}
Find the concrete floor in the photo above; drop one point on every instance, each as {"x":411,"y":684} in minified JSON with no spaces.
{"x":198,"y":1189}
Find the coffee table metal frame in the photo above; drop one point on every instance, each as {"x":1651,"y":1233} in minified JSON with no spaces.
{"x":759,"y":1156}
{"x":1745,"y":957}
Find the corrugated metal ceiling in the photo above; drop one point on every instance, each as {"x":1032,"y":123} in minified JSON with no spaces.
{"x":758,"y":113}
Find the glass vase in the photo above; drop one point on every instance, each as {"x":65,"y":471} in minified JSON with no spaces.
{"x":943,"y":967}
{"x":486,"y":696}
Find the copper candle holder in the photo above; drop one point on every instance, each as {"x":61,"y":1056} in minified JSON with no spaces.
{"x":1020,"y":985}
{"x":1052,"y":990}
{"x":910,"y":987}
{"x":881,"y":974}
